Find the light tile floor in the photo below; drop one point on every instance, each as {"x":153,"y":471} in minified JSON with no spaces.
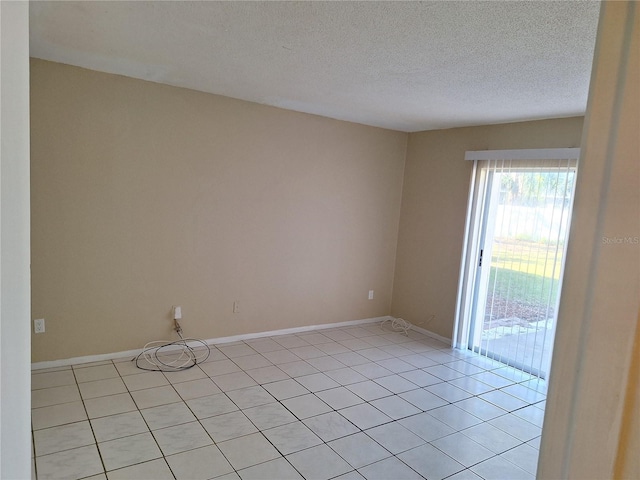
{"x":350,"y":403}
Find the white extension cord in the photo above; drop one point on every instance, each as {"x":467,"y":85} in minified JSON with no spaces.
{"x":398,"y":325}
{"x":163,"y":356}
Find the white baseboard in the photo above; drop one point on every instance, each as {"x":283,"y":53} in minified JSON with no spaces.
{"x":65,"y":362}
{"x":429,"y":333}
{"x":289,"y":331}
{"x":212,"y":341}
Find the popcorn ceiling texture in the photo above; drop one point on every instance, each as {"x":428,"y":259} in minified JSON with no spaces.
{"x":407,"y":66}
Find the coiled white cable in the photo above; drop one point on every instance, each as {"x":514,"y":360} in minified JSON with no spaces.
{"x":182,"y":354}
{"x":398,"y":324}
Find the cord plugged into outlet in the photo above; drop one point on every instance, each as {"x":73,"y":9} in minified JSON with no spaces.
{"x":177,"y":315}
{"x":163,"y":356}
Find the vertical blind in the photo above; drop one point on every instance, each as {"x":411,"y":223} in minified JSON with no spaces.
{"x":522,"y":214}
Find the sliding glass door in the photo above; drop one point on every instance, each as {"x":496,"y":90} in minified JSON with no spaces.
{"x":518,"y":228}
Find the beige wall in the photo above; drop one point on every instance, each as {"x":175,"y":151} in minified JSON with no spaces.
{"x":434,"y":205}
{"x":145,"y":196}
{"x":585,"y":431}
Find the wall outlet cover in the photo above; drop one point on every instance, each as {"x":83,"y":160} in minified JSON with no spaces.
{"x":38,"y":325}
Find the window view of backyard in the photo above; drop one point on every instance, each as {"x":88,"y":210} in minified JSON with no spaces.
{"x":523,"y":279}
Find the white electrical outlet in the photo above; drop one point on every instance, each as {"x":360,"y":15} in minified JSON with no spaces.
{"x":370,"y":294}
{"x":38,"y":325}
{"x":236,"y":307}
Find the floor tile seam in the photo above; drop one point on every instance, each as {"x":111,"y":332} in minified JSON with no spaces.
{"x":471,"y":377}
{"x":284,"y":457}
{"x":176,"y":382}
{"x":84,"y":446}
{"x":197,"y":448}
{"x":39,"y":371}
{"x":65,"y":449}
{"x":236,"y":470}
{"x":534,"y":424}
{"x":54,"y":386}
{"x":480,"y":420}
{"x":317,"y":397}
{"x":267,"y":383}
{"x":149,"y":429}
{"x":545,"y":393}
{"x":358,"y":404}
{"x":234,"y":438}
{"x":240,"y":343}
{"x":97,"y":380}
{"x":493,"y":454}
{"x":513,"y":463}
{"x":471,"y":396}
{"x":253,"y":368}
{"x":262,"y":351}
{"x":60,"y":403}
{"x":507,"y":412}
{"x":366,"y":432}
{"x":528,"y":403}
{"x":84,"y":406}
{"x":356,"y":350}
{"x":496,"y":371}
{"x":214,"y":359}
{"x":162,"y":454}
{"x":520,"y":442}
{"x":275,"y":340}
{"x":524,"y":400}
{"x":97,"y":363}
{"x":404,"y":463}
{"x":501,"y":458}
{"x":504,"y":431}
{"x":58,"y":425}
{"x":517,"y":416}
{"x":315,"y":344}
{"x":396,"y":393}
{"x":105,"y":472}
{"x":130,"y":392}
{"x":391,"y":420}
{"x":454,"y":474}
{"x":347,"y":461}
{"x":33,"y":451}
{"x":498,"y":390}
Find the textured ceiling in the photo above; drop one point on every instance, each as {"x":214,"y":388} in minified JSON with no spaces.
{"x":407,"y":66}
